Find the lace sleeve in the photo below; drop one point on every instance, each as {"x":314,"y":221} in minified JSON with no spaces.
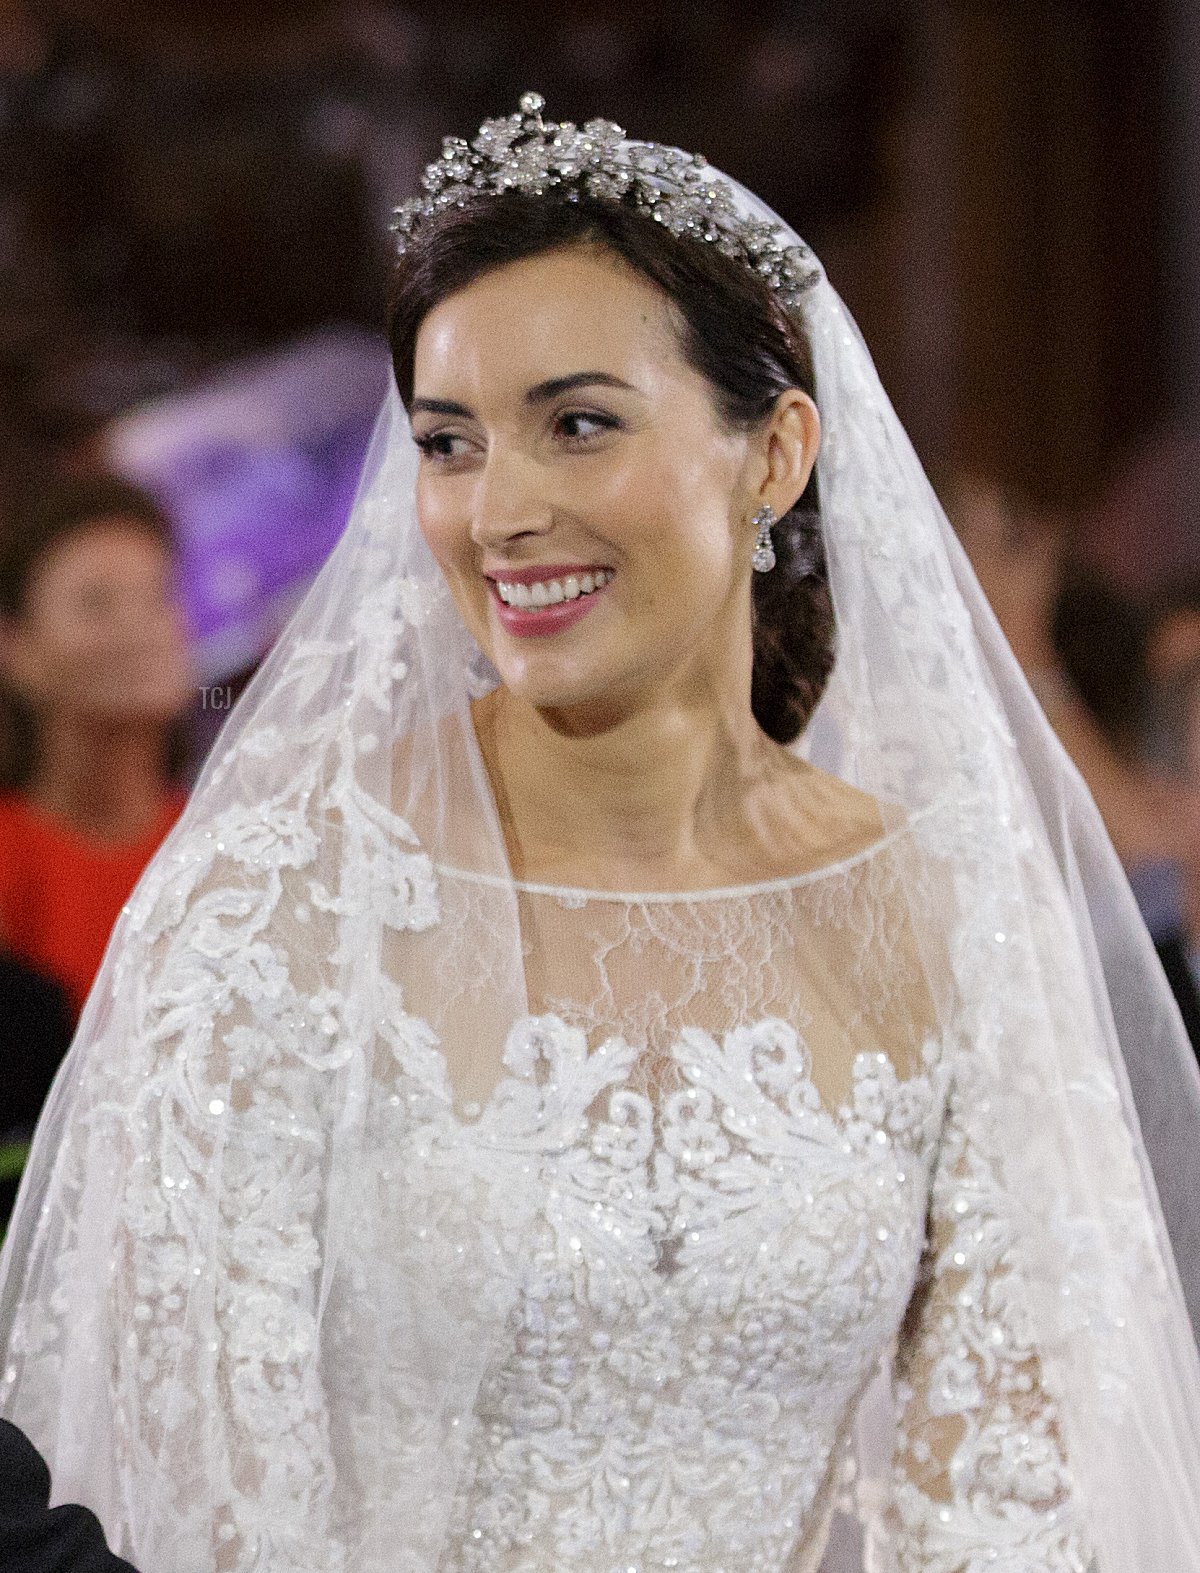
{"x":980,"y":1477}
{"x":221,"y":1440}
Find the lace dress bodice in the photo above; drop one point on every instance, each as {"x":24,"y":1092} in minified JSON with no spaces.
{"x":725,"y":1154}
{"x":704,"y":1286}
{"x":618,"y":1260}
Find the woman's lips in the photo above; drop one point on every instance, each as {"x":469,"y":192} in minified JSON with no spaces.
{"x":538,"y":622}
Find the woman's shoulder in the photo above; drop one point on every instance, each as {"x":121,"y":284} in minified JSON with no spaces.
{"x":815,"y":818}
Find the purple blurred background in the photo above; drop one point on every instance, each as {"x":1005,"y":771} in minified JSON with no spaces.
{"x":257,"y":470}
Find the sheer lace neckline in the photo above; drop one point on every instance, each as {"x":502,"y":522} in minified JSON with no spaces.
{"x":577,"y":895}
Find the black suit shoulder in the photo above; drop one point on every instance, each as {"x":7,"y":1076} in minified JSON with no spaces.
{"x":37,"y":1538}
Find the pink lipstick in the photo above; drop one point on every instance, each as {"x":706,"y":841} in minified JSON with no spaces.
{"x":546,"y":599}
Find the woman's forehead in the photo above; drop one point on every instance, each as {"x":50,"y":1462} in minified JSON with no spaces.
{"x":546,"y":316}
{"x":110,"y":545}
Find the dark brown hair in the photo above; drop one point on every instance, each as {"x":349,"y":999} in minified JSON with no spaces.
{"x":732,"y":330}
{"x":52,"y":513}
{"x":58,"y":510}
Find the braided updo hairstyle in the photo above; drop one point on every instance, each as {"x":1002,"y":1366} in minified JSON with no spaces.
{"x":732,"y":330}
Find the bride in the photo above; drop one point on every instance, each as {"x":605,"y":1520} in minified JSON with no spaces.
{"x":620,"y":1065}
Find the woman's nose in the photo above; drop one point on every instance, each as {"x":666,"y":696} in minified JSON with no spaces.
{"x":508,"y":501}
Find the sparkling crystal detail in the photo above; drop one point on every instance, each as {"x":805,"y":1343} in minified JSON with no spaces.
{"x":763,"y":556}
{"x":523,"y":152}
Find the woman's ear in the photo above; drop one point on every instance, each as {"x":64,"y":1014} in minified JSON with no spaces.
{"x":791,"y":438}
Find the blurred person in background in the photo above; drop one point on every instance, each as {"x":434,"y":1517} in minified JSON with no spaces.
{"x":1173,"y":659}
{"x":1089,"y":653}
{"x":1172,"y":737}
{"x":1085,"y":648}
{"x":1174,"y":646}
{"x":1020,"y":560}
{"x":94,"y":674}
{"x":1102,"y":640}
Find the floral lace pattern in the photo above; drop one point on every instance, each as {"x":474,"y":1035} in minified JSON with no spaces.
{"x":702,"y":1294}
{"x":981,"y":1480}
{"x":622,"y":1315}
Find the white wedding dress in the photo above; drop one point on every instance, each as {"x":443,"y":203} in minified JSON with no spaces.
{"x":731,"y":1162}
{"x":726,"y":1158}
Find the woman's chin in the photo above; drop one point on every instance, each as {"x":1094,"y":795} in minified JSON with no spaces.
{"x":534,"y":684}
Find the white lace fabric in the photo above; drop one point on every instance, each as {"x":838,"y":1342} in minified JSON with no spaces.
{"x":680,"y":1231}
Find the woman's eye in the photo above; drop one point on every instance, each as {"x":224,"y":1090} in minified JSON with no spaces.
{"x":580,"y":425}
{"x":440,"y":445}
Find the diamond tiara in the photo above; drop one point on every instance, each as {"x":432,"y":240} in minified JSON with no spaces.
{"x":523,"y":152}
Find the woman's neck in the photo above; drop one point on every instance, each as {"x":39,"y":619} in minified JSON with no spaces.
{"x":106,"y":781}
{"x":657,"y":795}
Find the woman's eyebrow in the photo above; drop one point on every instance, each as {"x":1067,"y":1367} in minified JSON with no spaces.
{"x":538,"y":394}
{"x":551,"y":388}
{"x":439,"y":407}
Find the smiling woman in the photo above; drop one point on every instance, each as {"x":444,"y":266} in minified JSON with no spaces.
{"x":631,"y":436}
{"x":587,"y":1064}
{"x":715,"y":356}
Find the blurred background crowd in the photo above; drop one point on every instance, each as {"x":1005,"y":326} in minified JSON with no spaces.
{"x":193,"y":262}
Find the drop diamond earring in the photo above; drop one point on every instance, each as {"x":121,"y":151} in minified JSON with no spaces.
{"x":763,"y":557}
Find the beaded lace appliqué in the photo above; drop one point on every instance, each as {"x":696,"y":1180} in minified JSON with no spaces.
{"x":676,"y":1275}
